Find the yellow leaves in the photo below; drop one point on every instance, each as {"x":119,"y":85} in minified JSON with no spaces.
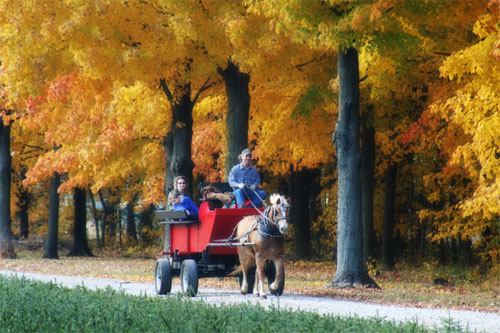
{"x":486,"y":25}
{"x":145,"y":110}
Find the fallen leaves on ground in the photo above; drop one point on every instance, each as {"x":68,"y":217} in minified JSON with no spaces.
{"x":406,"y":286}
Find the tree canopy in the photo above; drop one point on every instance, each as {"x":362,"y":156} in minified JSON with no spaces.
{"x":107,"y":82}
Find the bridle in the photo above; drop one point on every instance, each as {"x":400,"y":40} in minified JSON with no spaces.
{"x":266,"y":211}
{"x":282,"y":217}
{"x":269,"y":226}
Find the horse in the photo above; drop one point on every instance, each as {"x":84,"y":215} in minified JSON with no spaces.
{"x":264,"y":232}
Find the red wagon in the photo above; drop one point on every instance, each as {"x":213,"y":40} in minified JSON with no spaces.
{"x":200,"y":248}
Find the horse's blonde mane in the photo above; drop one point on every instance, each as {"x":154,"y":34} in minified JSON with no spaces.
{"x":275,"y":197}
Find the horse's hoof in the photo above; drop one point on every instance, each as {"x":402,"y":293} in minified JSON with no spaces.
{"x":263,"y":296}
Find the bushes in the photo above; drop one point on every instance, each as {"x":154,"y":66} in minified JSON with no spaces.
{"x":27,"y":305}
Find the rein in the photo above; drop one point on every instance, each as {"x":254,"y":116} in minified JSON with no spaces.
{"x":267,"y":227}
{"x":263,"y":215}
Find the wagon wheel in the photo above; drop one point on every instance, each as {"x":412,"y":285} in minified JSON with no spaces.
{"x":270,"y":272}
{"x":189,"y":277}
{"x":250,"y":279}
{"x":163,"y":276}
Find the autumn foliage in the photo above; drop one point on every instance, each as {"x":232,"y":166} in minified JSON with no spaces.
{"x":81,"y":84}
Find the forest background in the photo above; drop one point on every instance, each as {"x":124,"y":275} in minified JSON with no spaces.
{"x":103,"y":103}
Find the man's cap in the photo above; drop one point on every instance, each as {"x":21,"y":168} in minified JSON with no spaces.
{"x":245,"y":152}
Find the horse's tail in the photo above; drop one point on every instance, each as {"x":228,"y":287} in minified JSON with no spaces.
{"x":237,"y":271}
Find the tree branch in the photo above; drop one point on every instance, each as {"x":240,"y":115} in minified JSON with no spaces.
{"x":442,"y":53}
{"x":299,"y":66}
{"x":203,"y":88}
{"x":165,"y":89}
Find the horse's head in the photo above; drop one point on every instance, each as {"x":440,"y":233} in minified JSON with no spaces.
{"x":279,"y":210}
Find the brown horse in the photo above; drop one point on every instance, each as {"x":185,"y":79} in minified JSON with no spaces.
{"x":265,"y":233}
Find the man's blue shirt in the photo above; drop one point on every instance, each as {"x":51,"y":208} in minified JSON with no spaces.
{"x":242,"y":175}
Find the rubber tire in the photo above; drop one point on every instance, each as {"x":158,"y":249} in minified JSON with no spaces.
{"x":270,"y":272}
{"x":163,"y":276}
{"x":250,"y":278}
{"x":189,"y":277}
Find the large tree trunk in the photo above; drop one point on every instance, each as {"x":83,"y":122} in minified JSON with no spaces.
{"x":182,"y":129}
{"x":302,"y":223}
{"x":168,"y":146}
{"x":351,"y":269}
{"x":238,"y":108}
{"x":6,"y":246}
{"x":177,"y":142}
{"x":53,"y":225}
{"x":367,"y":184}
{"x":80,"y":245}
{"x":388,"y":224}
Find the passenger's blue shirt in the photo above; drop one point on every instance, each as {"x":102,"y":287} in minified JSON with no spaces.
{"x":242,"y":175}
{"x":187,"y":204}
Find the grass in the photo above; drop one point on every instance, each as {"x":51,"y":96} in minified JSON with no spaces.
{"x":408,"y":284}
{"x":30,"y":306}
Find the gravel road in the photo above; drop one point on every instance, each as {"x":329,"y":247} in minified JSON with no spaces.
{"x":433,"y":318}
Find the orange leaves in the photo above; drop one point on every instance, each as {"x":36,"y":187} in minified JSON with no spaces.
{"x":379,"y":7}
{"x":102,"y":133}
{"x":60,"y":88}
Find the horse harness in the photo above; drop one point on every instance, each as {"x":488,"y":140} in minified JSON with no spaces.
{"x":264,"y":224}
{"x":265,"y":227}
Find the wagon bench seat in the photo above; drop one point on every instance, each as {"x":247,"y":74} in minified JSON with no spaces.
{"x":173,"y":217}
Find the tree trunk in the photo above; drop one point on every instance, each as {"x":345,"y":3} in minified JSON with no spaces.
{"x":6,"y":246}
{"x":80,"y":245}
{"x":146,"y":221}
{"x":388,"y":224}
{"x":109,"y":216}
{"x":351,"y":269}
{"x":104,"y":219}
{"x":23,"y":197}
{"x":120,"y":229}
{"x":238,"y":108}
{"x":367,"y":184}
{"x":168,"y":146}
{"x":96,"y":220}
{"x":23,"y":214}
{"x":182,"y":129}
{"x":301,"y":219}
{"x":131,"y":231}
{"x":177,"y":143}
{"x":53,"y":225}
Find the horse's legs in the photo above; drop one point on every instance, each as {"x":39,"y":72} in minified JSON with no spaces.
{"x":259,"y":283}
{"x":278,"y":264}
{"x":244,"y":283}
{"x":244,"y":269}
{"x":247,"y":261}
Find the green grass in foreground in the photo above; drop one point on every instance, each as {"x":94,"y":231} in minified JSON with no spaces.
{"x":30,"y":306}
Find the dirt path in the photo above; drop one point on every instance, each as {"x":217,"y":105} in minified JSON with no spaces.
{"x":433,"y":318}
